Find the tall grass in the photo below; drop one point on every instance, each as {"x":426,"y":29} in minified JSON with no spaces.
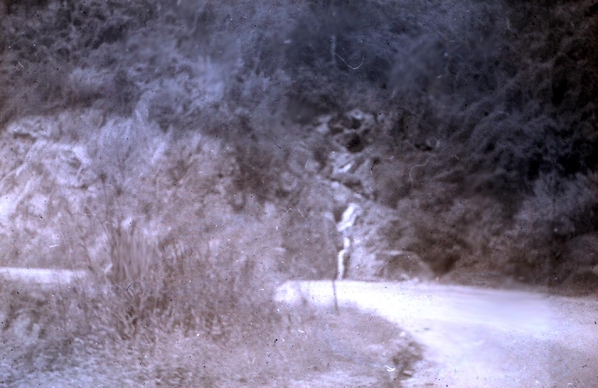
{"x":179,"y":292}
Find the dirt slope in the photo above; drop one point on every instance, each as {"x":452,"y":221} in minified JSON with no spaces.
{"x":476,"y":337}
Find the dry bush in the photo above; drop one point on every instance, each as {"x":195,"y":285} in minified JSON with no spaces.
{"x":147,"y":297}
{"x":182,"y":289}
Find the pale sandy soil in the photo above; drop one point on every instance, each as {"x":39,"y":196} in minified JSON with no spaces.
{"x":474,"y":337}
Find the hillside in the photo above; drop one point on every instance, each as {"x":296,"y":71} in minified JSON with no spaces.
{"x":193,"y":147}
{"x":468,"y":132}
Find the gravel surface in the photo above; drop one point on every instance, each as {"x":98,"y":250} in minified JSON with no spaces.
{"x":475,"y":337}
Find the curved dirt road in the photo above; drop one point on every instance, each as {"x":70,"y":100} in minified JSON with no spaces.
{"x":476,"y":337}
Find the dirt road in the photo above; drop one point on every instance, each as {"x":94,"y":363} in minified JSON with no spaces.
{"x":476,"y":337}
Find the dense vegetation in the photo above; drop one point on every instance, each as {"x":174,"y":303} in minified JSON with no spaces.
{"x":466,"y":130}
{"x":492,"y":101}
